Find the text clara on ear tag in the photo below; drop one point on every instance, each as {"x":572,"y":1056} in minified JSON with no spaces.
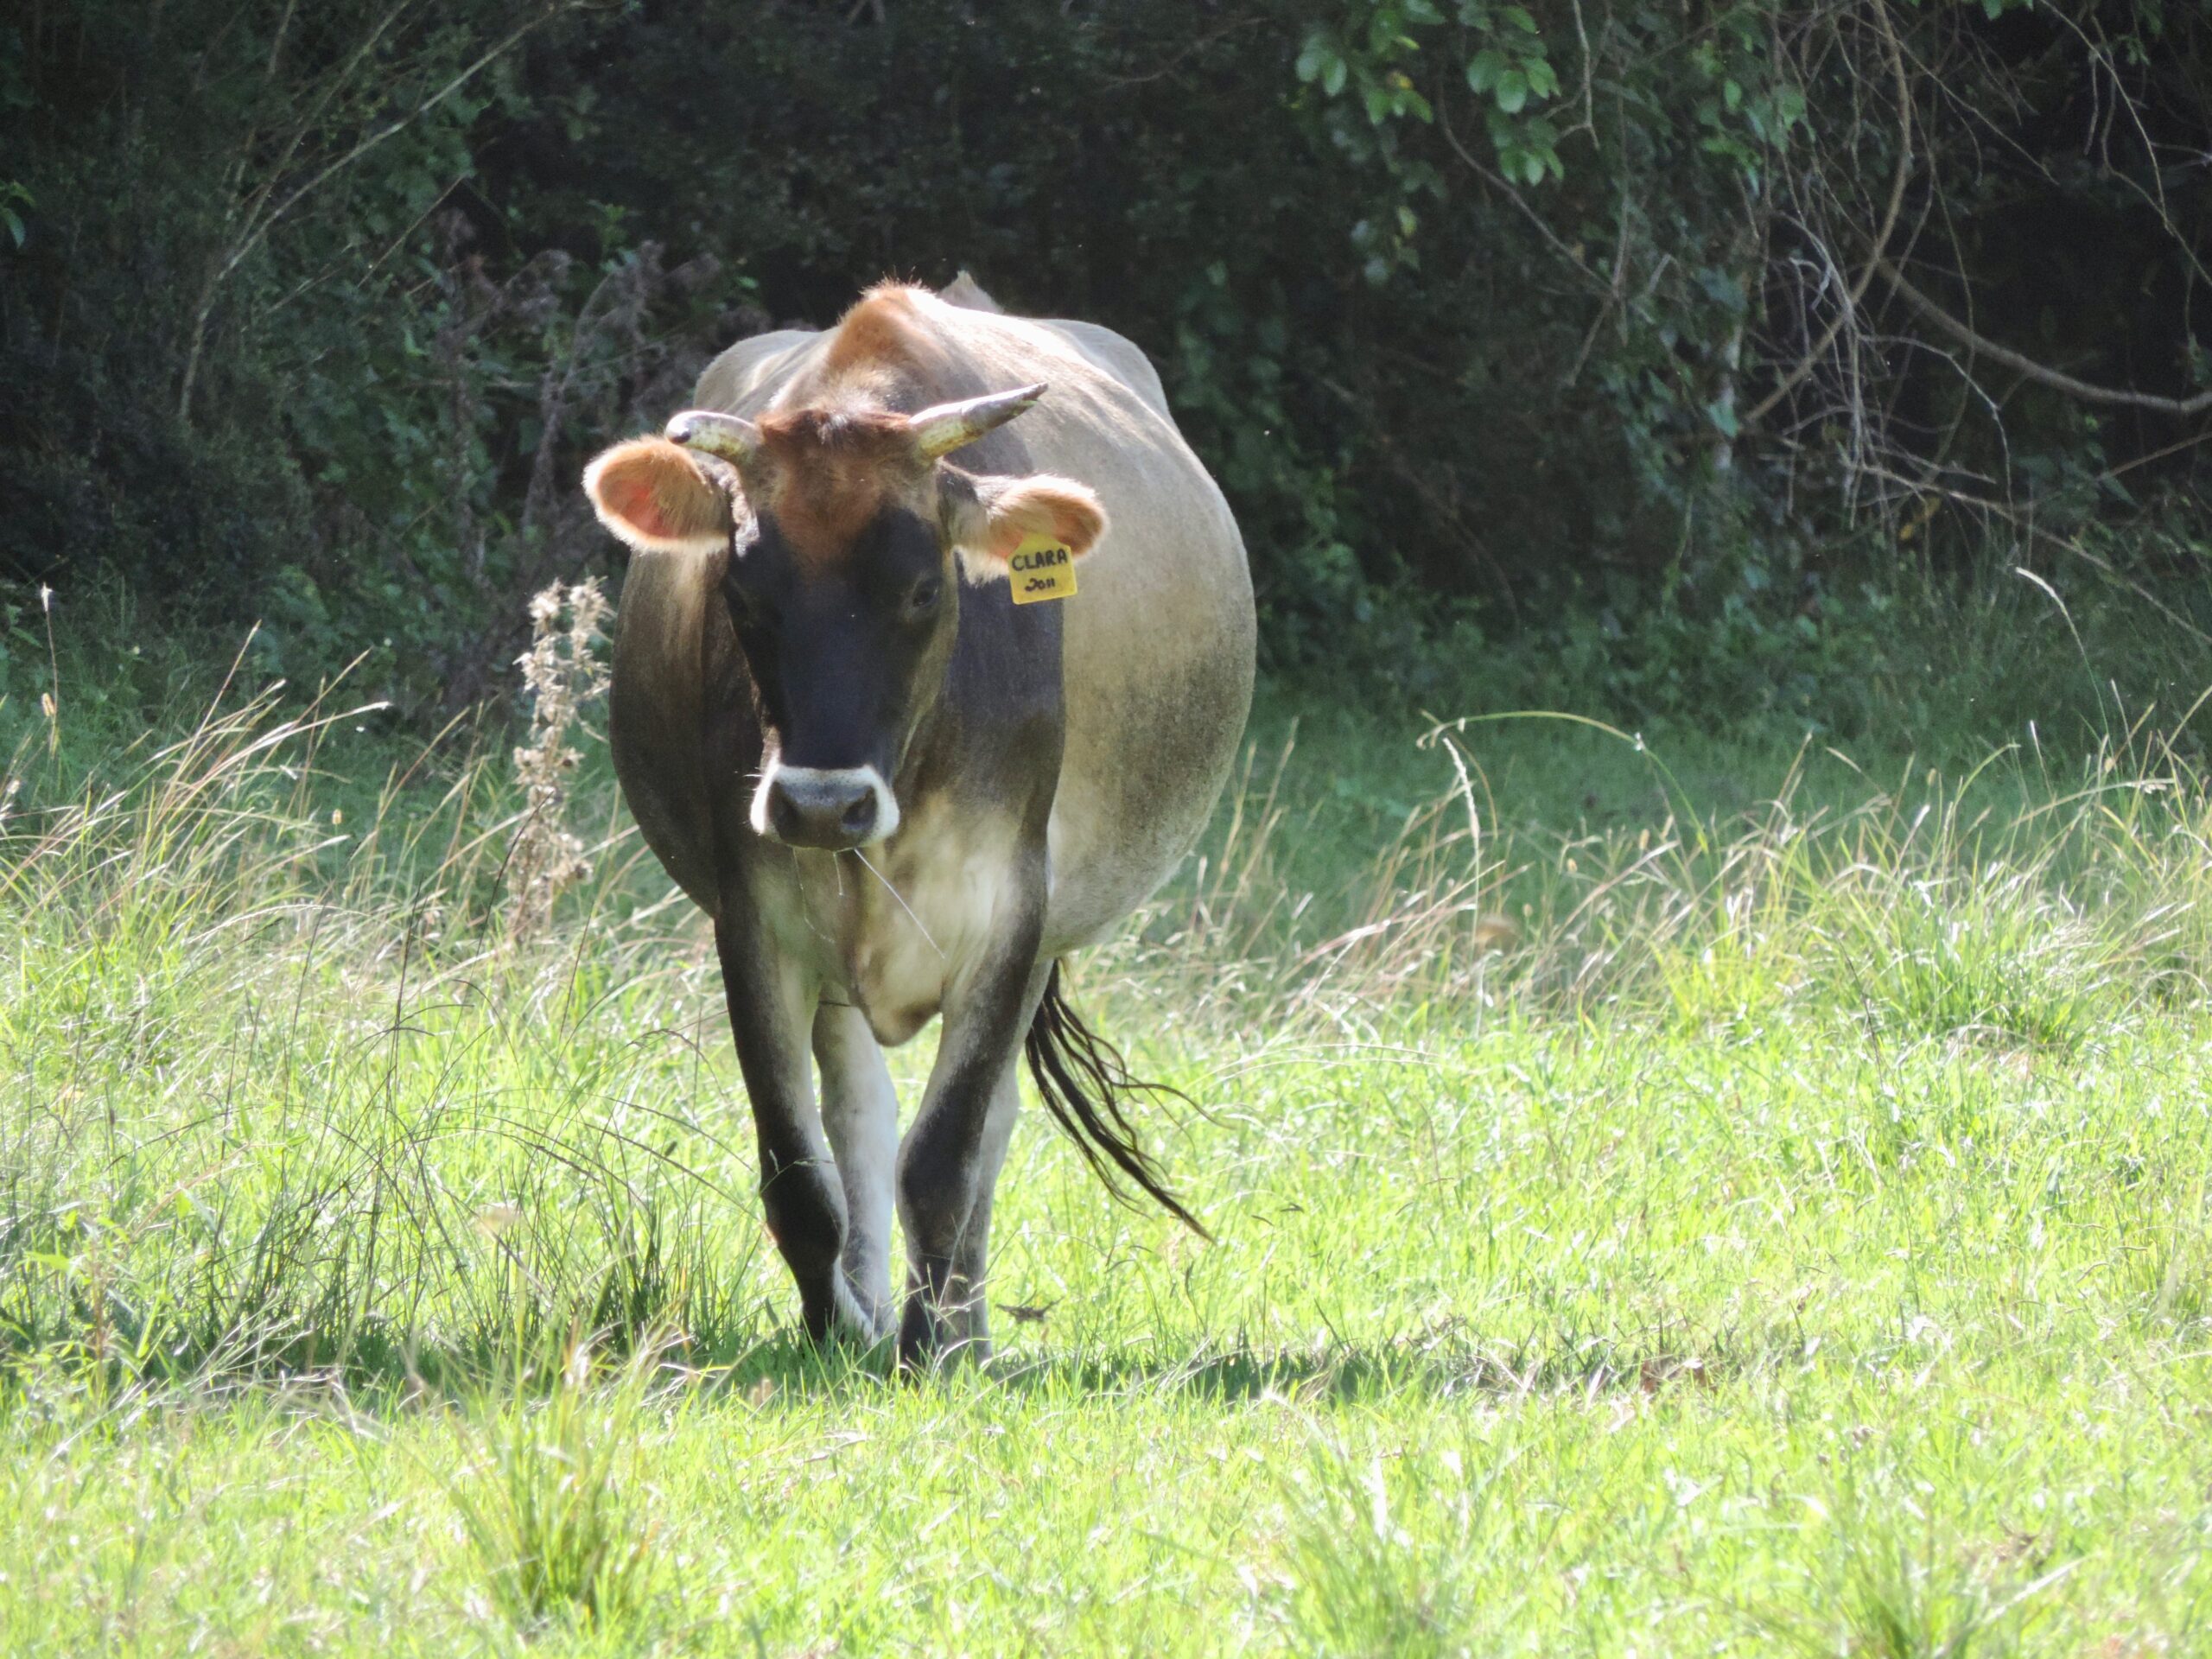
{"x":1041,"y":568}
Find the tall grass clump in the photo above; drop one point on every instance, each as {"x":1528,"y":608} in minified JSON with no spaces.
{"x":1883,"y":1576}
{"x":1394,"y":1549}
{"x":548,"y":1497}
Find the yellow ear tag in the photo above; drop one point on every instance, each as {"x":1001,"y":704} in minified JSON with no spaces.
{"x":1041,"y":568}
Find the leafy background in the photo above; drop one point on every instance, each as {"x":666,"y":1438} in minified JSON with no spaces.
{"x":1548,"y":351}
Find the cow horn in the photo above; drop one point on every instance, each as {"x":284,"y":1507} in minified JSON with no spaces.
{"x":943,"y":428}
{"x":731,"y":436}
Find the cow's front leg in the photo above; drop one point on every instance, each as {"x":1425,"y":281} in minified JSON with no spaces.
{"x":860,"y":1110}
{"x":950,"y":1160}
{"x":770,"y":1000}
{"x":969,"y":1323}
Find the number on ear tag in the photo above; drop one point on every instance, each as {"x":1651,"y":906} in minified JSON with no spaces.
{"x":1041,"y":568}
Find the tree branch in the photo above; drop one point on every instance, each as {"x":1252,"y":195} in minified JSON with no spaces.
{"x":2056,"y":379}
{"x":1849,"y":309}
{"x":1519,"y":201}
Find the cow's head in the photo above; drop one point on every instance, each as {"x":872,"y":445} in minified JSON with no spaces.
{"x":850,"y":536}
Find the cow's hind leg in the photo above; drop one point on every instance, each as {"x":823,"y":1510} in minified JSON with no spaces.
{"x":860,"y":1111}
{"x":769,"y":1003}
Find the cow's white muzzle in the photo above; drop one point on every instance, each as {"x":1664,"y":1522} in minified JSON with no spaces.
{"x":836,"y":808}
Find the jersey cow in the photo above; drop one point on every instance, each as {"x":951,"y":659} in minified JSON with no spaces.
{"x":910,"y":728}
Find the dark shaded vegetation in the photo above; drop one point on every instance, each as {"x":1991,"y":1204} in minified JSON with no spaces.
{"x":1709,"y":361}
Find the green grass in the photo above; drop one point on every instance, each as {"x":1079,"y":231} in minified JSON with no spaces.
{"x":1750,"y":1205}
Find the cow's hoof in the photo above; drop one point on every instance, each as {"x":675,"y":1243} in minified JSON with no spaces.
{"x":932,"y":1340}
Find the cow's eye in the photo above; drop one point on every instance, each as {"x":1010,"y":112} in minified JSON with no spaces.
{"x":922,"y":597}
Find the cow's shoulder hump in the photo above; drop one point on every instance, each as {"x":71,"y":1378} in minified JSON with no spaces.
{"x":735,"y":381}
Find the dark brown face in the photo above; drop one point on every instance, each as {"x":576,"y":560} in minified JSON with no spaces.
{"x":845,"y":645}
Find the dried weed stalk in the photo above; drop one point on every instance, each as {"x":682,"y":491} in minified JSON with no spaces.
{"x":561,"y":673}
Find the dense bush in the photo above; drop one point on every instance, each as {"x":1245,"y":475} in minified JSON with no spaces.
{"x":1555,"y":349}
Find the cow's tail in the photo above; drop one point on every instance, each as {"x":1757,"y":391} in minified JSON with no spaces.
{"x":1085,"y":1084}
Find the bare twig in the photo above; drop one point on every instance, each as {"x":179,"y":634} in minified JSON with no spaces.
{"x":562,"y":672}
{"x":1520,"y":202}
{"x":1443,"y":511}
{"x":2056,"y":379}
{"x":1849,"y":309}
{"x":1172,"y":63}
{"x":2026,"y":525}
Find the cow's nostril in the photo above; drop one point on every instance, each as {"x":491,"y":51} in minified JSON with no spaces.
{"x":859,"y":814}
{"x":796,"y":817}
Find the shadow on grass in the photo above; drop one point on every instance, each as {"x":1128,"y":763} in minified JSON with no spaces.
{"x":383,"y":1375}
{"x":788,"y":1366}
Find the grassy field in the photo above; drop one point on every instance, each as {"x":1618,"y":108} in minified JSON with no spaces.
{"x":1713,"y":1199}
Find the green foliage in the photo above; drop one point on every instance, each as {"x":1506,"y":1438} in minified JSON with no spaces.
{"x":1650,"y":250}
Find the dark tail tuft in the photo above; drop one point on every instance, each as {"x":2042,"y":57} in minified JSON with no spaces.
{"x":1084,"y":1081}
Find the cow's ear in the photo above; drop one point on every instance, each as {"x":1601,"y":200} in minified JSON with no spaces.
{"x":654,"y":495}
{"x":990,"y":517}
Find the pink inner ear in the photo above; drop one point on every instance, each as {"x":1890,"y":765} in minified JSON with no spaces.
{"x":629,"y":494}
{"x":1067,"y":512}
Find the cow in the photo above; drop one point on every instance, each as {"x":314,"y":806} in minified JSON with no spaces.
{"x":910,"y":729}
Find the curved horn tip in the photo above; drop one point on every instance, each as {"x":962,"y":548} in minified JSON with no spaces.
{"x":728,"y":436}
{"x":943,"y":428}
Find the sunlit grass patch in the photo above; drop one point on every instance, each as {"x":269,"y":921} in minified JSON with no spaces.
{"x":1585,"y":1197}
{"x":2167,"y":1286}
{"x":1395,"y":1549}
{"x":1884,"y":1576}
{"x":549,"y":1497}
